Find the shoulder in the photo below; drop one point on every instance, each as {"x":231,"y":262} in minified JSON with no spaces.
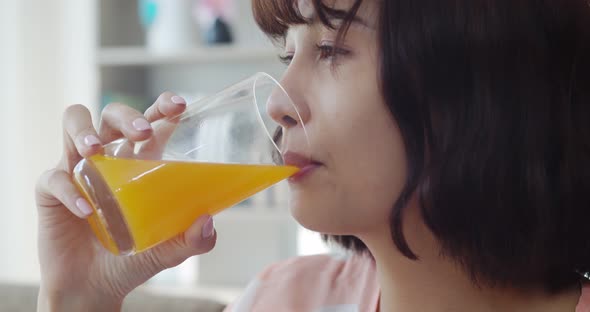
{"x":312,"y":282}
{"x":318,"y":267}
{"x":584,"y":303}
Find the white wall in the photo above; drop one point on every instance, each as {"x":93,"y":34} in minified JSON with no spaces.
{"x":36,"y":64}
{"x":47,"y":61}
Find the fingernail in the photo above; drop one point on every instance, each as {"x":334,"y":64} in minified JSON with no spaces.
{"x":141,"y":124}
{"x":83,"y":206}
{"x":178,"y":100}
{"x":208,"y":228}
{"x":91,"y":140}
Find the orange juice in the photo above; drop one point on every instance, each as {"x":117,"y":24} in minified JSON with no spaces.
{"x":140,"y":203}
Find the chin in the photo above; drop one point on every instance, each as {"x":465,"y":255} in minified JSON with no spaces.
{"x":319,"y":216}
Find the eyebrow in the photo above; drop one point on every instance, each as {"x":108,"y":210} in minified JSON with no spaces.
{"x":355,"y":20}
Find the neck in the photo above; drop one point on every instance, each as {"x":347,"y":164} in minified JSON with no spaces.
{"x":435,"y":283}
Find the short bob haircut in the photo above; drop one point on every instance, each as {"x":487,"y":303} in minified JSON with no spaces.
{"x":492,"y":99}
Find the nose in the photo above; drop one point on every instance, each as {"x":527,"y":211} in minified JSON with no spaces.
{"x":287,"y":106}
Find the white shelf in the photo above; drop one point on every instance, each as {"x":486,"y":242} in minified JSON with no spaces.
{"x":136,"y":56}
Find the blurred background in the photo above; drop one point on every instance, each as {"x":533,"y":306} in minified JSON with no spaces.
{"x":57,"y":53}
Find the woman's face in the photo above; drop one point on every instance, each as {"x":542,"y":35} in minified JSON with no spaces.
{"x":356,"y":148}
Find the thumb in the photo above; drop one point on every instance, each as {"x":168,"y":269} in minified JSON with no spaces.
{"x":200,"y":238}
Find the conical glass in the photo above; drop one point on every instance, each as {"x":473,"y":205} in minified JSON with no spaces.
{"x":218,"y":152}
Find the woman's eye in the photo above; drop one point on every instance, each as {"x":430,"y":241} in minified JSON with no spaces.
{"x":286,"y":59}
{"x":325,"y":51}
{"x":330,"y":52}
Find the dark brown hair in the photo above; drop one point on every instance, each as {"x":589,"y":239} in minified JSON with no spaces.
{"x":492,"y":99}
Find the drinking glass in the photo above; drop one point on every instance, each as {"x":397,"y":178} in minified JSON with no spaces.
{"x":218,"y":152}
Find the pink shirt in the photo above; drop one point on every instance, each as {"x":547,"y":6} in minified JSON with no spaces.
{"x":324,"y":283}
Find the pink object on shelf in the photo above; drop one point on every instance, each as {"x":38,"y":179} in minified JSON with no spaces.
{"x":208,"y":10}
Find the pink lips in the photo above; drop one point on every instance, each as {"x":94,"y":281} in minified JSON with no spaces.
{"x":306,"y":165}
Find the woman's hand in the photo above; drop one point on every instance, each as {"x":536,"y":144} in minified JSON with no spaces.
{"x":77,"y":273}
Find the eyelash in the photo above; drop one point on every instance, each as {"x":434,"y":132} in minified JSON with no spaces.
{"x":326,"y":52}
{"x":286,"y":59}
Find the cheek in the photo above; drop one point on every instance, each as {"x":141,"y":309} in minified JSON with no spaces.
{"x":358,"y":139}
{"x":364,"y":139}
{"x":375,"y":165}
{"x":366,"y":167}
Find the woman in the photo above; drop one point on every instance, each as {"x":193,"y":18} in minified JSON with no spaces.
{"x":451,"y":148}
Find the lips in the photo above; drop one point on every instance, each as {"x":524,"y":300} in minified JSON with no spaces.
{"x":296,"y":160}
{"x":305,"y":164}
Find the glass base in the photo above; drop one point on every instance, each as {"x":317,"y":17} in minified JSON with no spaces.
{"x":107,"y":221}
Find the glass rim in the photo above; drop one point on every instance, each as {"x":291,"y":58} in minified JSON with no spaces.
{"x":260,"y":75}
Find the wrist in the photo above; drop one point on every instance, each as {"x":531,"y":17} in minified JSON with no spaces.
{"x":50,"y":301}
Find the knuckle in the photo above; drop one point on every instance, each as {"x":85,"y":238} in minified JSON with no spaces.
{"x":44,"y":193}
{"x":155,"y":262}
{"x":172,"y":261}
{"x":55,"y":177}
{"x":42,"y":180}
{"x":74,"y":110}
{"x":111,"y":107}
{"x":117,"y":114}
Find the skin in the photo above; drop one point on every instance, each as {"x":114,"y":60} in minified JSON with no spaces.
{"x":360,"y":169}
{"x":363,"y":169}
{"x":351,"y":133}
{"x":77,"y":274}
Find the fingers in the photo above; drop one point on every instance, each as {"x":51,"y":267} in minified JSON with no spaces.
{"x":154,"y":147}
{"x":80,"y":137}
{"x":81,"y":140}
{"x":55,"y":187}
{"x":167,"y":105}
{"x":200,"y":238}
{"x":121,"y":120}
